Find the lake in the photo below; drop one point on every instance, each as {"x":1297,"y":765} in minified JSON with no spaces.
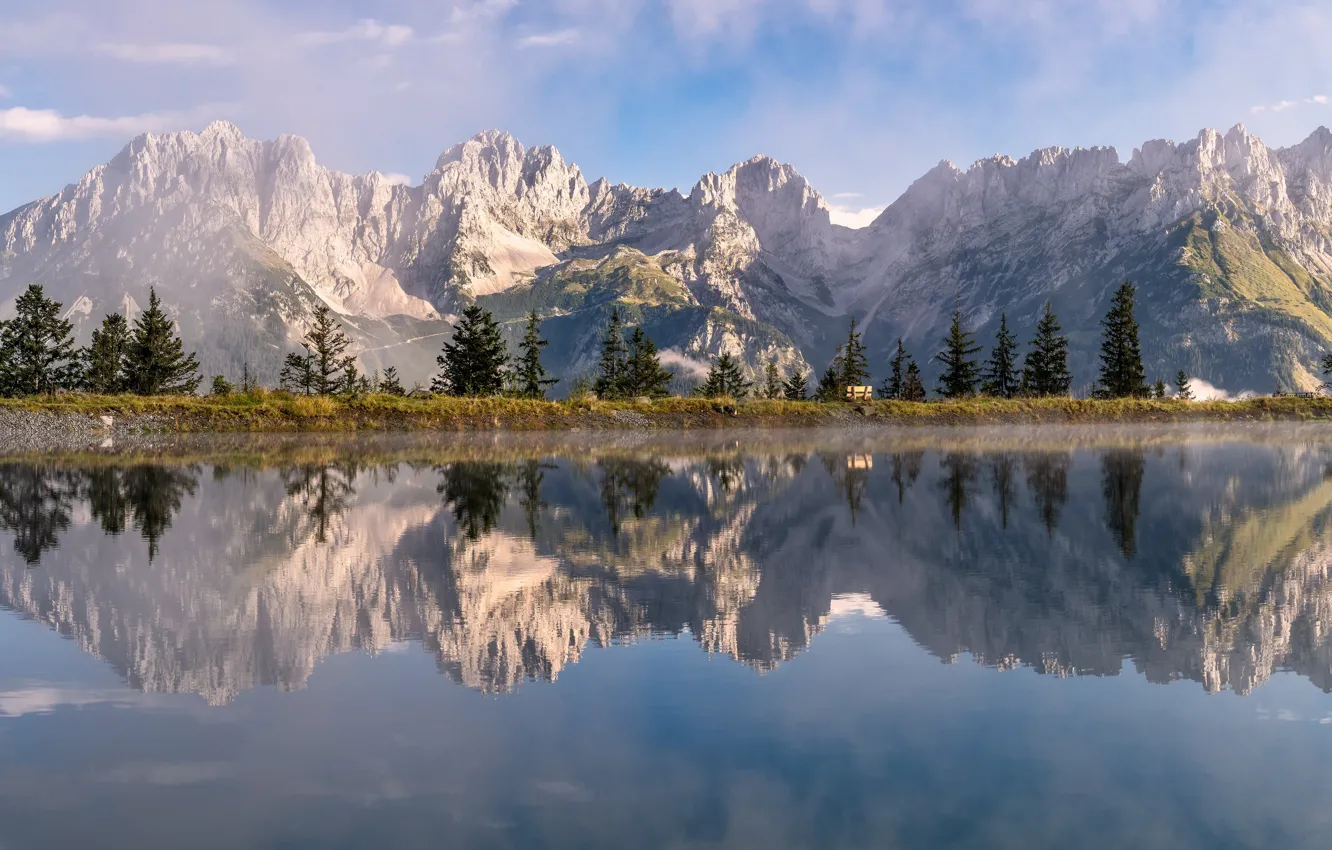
{"x":1031,"y":638}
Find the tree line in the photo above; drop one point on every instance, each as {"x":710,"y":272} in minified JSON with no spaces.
{"x":38,"y":356}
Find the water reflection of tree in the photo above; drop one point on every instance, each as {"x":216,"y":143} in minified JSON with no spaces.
{"x":476,"y":492}
{"x":729,"y":471}
{"x":960,"y":471}
{"x":1121,"y":482}
{"x":1003,"y":472}
{"x":149,"y":496}
{"x":35,"y":504}
{"x":906,"y":469}
{"x":529,"y":478}
{"x":1047,"y":477}
{"x":325,"y":490}
{"x":629,"y":486}
{"x":851,"y":474}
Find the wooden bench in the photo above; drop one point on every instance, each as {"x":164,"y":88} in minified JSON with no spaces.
{"x":860,"y":393}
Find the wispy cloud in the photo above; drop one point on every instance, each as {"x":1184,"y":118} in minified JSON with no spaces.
{"x":550,"y":39}
{"x":48,"y":125}
{"x":4,"y":91}
{"x":169,"y":54}
{"x":1283,"y":105}
{"x":394,"y":177}
{"x":366,"y":30}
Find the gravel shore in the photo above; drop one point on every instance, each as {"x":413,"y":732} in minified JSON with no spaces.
{"x":26,"y":432}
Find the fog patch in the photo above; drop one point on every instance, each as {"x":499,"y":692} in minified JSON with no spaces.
{"x":684,"y":365}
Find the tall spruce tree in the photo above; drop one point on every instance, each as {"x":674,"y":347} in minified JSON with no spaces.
{"x":796,"y":387}
{"x":104,"y":365}
{"x":1045,"y":372}
{"x":610,"y":383}
{"x":37,"y":347}
{"x":772,"y":380}
{"x":961,"y":371}
{"x":529,"y":373}
{"x":157,"y":363}
{"x":390,"y":383}
{"x":1000,"y":378}
{"x":854,"y":364}
{"x":473,"y":362}
{"x":1122,"y":374}
{"x":644,"y":375}
{"x":725,"y":379}
{"x":912,"y":387}
{"x":894,"y":383}
{"x":1183,"y":387}
{"x":297,"y":373}
{"x":327,"y":345}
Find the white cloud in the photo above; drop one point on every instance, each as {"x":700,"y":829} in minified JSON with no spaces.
{"x":47,"y":125}
{"x":164,"y":54}
{"x":550,"y":39}
{"x":394,"y":177}
{"x":853,"y":218}
{"x":685,"y":365}
{"x":482,"y":10}
{"x":4,"y":91}
{"x":1283,"y":105}
{"x":847,"y":195}
{"x":365,"y":30}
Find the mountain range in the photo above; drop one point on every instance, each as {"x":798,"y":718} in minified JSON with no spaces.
{"x":1228,"y":240}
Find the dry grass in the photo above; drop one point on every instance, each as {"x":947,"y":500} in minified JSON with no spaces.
{"x":284,"y":412}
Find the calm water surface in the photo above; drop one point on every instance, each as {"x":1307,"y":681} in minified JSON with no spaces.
{"x":1096,"y":639}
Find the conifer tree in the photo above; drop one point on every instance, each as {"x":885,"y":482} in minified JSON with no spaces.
{"x":389,"y":383}
{"x":353,"y":383}
{"x":725,"y":379}
{"x":912,"y":387}
{"x":473,"y":362}
{"x":529,"y":374}
{"x":961,"y":371}
{"x":221,"y":386}
{"x":104,"y":366}
{"x":37,"y":347}
{"x":326,"y":344}
{"x":1000,"y":378}
{"x":297,"y":373}
{"x":1183,"y":387}
{"x":157,"y":363}
{"x":610,"y":383}
{"x":1159,"y":389}
{"x":1045,"y":372}
{"x":644,"y":375}
{"x":1122,"y":373}
{"x":796,"y":386}
{"x":772,"y":380}
{"x":829,"y":389}
{"x":854,"y":371}
{"x":895,"y":382}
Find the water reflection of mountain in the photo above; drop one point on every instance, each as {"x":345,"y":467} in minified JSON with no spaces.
{"x":1211,"y":564}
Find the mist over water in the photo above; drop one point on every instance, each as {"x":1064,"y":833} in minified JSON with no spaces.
{"x":1045,"y":638}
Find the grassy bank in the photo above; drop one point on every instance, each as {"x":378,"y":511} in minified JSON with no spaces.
{"x":281,"y":412}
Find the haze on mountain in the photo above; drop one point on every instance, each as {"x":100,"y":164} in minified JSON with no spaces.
{"x":1228,"y":240}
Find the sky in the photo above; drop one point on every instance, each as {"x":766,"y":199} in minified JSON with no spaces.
{"x":861,"y":96}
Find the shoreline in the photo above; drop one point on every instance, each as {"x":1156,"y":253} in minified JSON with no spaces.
{"x":75,"y":422}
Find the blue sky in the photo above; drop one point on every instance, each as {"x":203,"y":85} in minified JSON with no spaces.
{"x":862,"y":96}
